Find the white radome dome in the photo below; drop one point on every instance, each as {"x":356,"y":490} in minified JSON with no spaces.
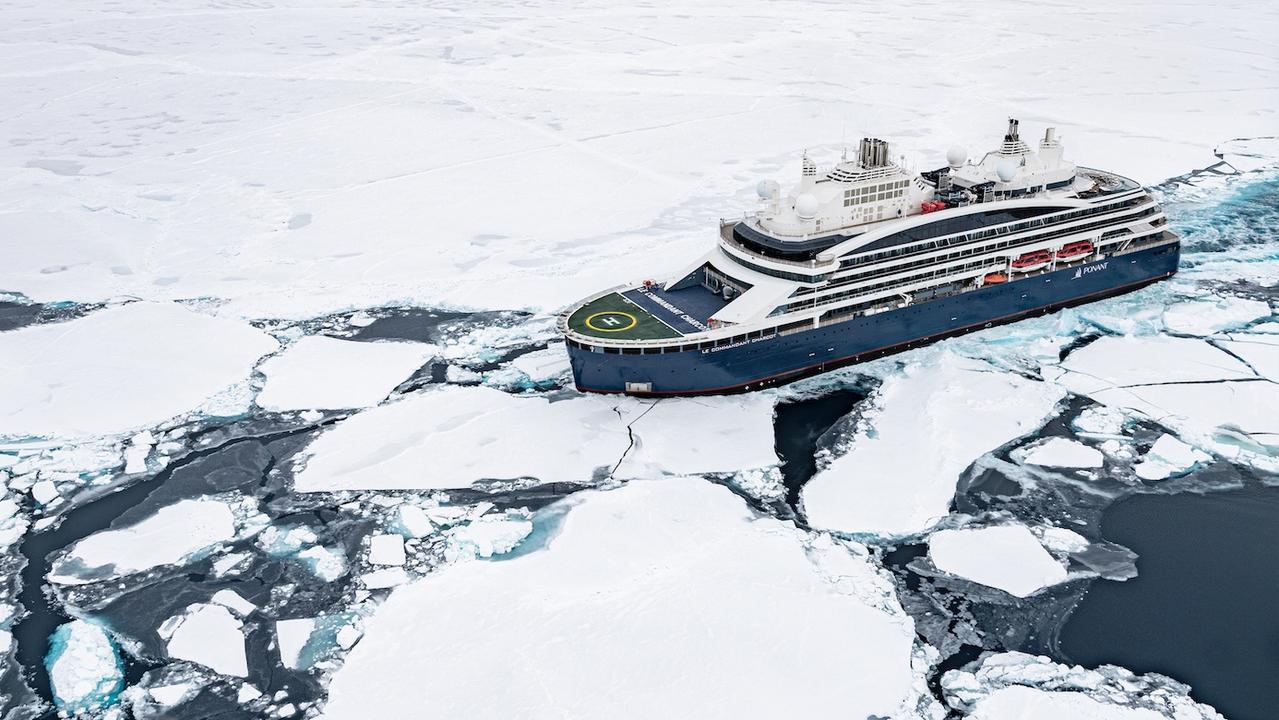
{"x":956,"y":156}
{"x":806,"y":206}
{"x":1006,"y":170}
{"x":768,"y":189}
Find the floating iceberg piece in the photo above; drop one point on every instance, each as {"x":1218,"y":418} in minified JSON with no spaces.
{"x":1059,"y":539}
{"x":232,"y":599}
{"x":136,"y":452}
{"x":412,"y":521}
{"x":1059,"y":452}
{"x":540,"y":368}
{"x":1012,"y":686}
{"x":1100,"y":420}
{"x":281,"y":540}
{"x":210,"y":635}
{"x":291,"y":637}
{"x":327,"y":564}
{"x":487,"y":536}
{"x":116,"y":370}
{"x":384,"y":578}
{"x":175,"y":533}
{"x":85,"y":671}
{"x":1007,"y":557}
{"x":927,"y":424}
{"x":386,"y":550}
{"x":453,"y":436}
{"x":1208,"y":316}
{"x":327,"y":373}
{"x":1167,"y":457}
{"x":630,"y":613}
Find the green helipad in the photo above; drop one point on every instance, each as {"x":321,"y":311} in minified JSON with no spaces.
{"x":613,"y":316}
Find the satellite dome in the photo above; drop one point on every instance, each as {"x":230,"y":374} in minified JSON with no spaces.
{"x":806,"y":206}
{"x":767,"y":189}
{"x":956,"y":156}
{"x":1006,"y":170}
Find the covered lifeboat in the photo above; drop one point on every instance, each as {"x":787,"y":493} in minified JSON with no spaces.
{"x":1032,"y":261}
{"x":1077,"y":250}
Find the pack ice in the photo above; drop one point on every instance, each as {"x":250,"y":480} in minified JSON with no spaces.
{"x":120,"y":369}
{"x":1007,"y":557}
{"x":895,"y":476}
{"x":85,"y":672}
{"x":327,"y":373}
{"x":661,"y":598}
{"x":454,"y":436}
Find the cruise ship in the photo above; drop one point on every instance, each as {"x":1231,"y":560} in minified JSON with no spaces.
{"x":868,"y":258}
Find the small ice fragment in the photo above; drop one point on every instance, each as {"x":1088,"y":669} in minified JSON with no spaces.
{"x":209,"y":635}
{"x":232,"y":599}
{"x":291,"y":636}
{"x":386,"y":550}
{"x":327,"y":564}
{"x":413,"y":521}
{"x":1060,"y":452}
{"x":246,"y":693}
{"x":44,"y":492}
{"x":1167,"y":457}
{"x":1005,"y":557}
{"x":384,"y":578}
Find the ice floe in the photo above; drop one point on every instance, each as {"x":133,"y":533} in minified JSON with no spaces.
{"x":1127,"y":361}
{"x":1261,"y":352}
{"x":1013,"y":685}
{"x":631,"y":611}
{"x":487,"y":536}
{"x":1060,"y":452}
{"x":895,"y":476}
{"x":1008,"y":557}
{"x":1167,"y":457}
{"x":386,"y":550}
{"x":210,"y":635}
{"x":120,"y":369}
{"x":173,"y":534}
{"x":328,"y":373}
{"x":85,"y":671}
{"x":1213,"y":314}
{"x":453,"y":436}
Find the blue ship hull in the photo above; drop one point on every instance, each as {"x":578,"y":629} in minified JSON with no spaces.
{"x":783,"y":358}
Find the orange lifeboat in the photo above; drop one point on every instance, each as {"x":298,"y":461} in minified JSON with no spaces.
{"x":1032,"y":261}
{"x":1075,"y":251}
{"x":994,"y":278}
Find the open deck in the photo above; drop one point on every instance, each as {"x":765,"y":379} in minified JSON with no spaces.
{"x":647,"y":313}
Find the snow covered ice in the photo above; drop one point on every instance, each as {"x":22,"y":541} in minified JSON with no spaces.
{"x":120,"y":369}
{"x":330,"y":373}
{"x":1060,"y":452}
{"x":210,"y":635}
{"x":1006,"y":557}
{"x":84,"y":668}
{"x":897,"y":473}
{"x":627,"y":637}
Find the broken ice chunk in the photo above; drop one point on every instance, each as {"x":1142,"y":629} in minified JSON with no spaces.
{"x":209,"y":635}
{"x":1167,"y":457}
{"x":326,"y":563}
{"x":487,"y":537}
{"x":327,"y":373}
{"x":1213,"y":314}
{"x":1059,"y":452}
{"x":85,"y":671}
{"x":384,"y":578}
{"x":233,"y":600}
{"x":171,"y":535}
{"x":386,"y":550}
{"x":1006,"y":557}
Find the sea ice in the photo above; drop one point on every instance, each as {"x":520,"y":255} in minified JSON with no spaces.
{"x":1008,"y":557}
{"x":1167,"y":457}
{"x":1100,"y":420}
{"x":1127,"y":361}
{"x":85,"y":672}
{"x":172,"y":534}
{"x":232,"y":599}
{"x":210,"y":635}
{"x":329,"y":373}
{"x":897,"y":473}
{"x":1060,"y":452}
{"x":1261,"y":352}
{"x":1214,"y":314}
{"x":386,"y":550}
{"x":453,"y":436}
{"x":119,"y":369}
{"x":487,"y":536}
{"x":631,"y":612}
{"x":291,"y":636}
{"x":696,"y":436}
{"x":1013,"y":686}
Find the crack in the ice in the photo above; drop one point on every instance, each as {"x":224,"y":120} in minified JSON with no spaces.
{"x":630,"y":435}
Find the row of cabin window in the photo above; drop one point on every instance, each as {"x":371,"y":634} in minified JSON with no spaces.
{"x":977,"y":235}
{"x":990,"y":247}
{"x":875,"y":193}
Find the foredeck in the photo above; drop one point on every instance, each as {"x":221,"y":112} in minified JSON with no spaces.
{"x":647,"y":314}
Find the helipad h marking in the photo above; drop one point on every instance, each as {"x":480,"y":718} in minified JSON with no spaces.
{"x":613,"y":319}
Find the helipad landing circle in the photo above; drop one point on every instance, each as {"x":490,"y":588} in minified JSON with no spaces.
{"x":611,"y":321}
